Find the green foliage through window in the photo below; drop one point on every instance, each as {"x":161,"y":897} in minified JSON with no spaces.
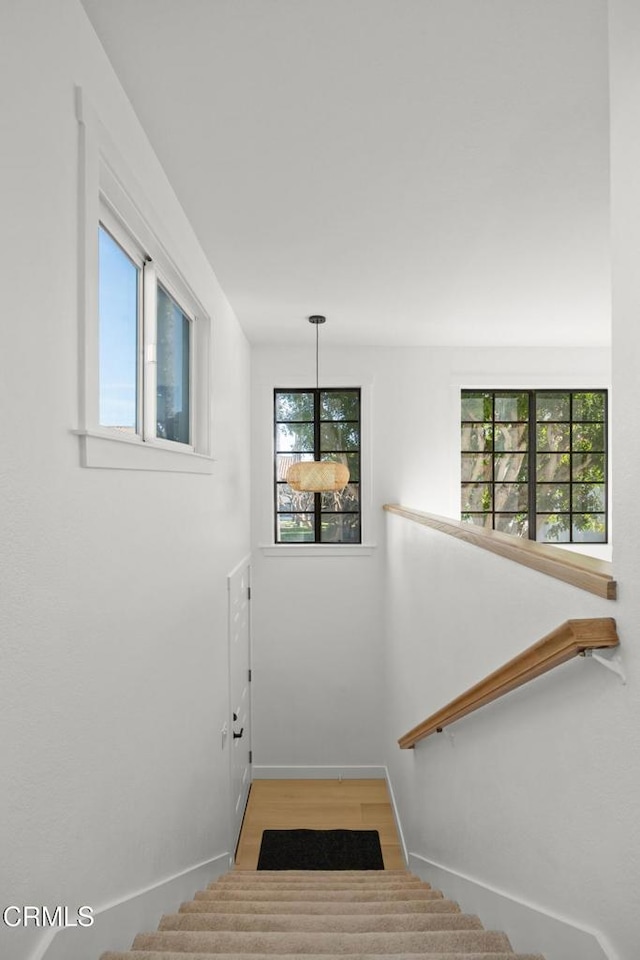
{"x":317,"y":425}
{"x":534,"y":463}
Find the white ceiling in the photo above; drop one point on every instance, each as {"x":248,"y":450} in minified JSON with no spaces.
{"x":421,"y":171}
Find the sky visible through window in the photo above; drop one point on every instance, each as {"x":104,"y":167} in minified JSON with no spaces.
{"x":118,"y":310}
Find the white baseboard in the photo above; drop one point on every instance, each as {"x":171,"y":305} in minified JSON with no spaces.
{"x":530,"y":928}
{"x":116,"y":924}
{"x":318,"y":773}
{"x":396,"y":816}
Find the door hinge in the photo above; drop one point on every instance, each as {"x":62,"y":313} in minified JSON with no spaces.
{"x":250,"y":756}
{"x":249,"y":672}
{"x":248,"y":593}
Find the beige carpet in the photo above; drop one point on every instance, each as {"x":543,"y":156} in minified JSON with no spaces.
{"x":312,"y":915}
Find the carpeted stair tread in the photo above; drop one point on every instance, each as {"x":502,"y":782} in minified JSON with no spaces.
{"x":362,"y":896}
{"x":298,"y":915}
{"x":330,"y":923}
{"x":172,"y":955}
{"x":332,"y":943}
{"x":317,"y":876}
{"x":328,"y":884}
{"x":335,"y":907}
{"x":322,"y":887}
{"x":362,"y":874}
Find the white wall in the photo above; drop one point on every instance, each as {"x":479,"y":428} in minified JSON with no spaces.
{"x":624,"y":26}
{"x":537,"y":795}
{"x":316,"y":619}
{"x":533,"y":795}
{"x":113,"y":619}
{"x":319,"y":633}
{"x":518,"y":800}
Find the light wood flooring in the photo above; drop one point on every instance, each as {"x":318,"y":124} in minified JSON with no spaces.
{"x":318,"y":805}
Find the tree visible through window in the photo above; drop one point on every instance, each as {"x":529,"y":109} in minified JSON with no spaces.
{"x":317,"y":425}
{"x":534,"y":463}
{"x":173,"y":373}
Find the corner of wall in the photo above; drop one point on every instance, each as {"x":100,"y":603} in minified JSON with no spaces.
{"x":530,"y":928}
{"x":116,"y":924}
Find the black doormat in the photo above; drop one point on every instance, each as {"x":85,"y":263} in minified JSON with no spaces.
{"x":320,"y":850}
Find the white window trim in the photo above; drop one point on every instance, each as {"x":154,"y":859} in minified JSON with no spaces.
{"x":107,"y":183}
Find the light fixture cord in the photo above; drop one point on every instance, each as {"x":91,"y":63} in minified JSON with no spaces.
{"x":317,"y":356}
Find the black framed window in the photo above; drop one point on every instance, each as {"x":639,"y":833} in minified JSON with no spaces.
{"x":534,"y":463}
{"x":317,"y":424}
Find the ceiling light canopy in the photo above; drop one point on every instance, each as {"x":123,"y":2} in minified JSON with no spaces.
{"x":318,"y":476}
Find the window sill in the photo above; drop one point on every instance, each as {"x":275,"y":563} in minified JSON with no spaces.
{"x":318,"y":549}
{"x":113,"y":452}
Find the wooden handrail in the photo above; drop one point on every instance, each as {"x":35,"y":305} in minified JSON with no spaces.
{"x":581,"y":571}
{"x":568,"y":640}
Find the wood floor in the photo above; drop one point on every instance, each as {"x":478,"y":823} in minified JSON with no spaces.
{"x":318,"y":805}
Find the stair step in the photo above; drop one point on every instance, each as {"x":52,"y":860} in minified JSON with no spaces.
{"x":360,"y":874}
{"x":318,"y":876}
{"x":233,"y":888}
{"x":331,"y":923}
{"x":397,"y":883}
{"x":335,"y":907}
{"x":348,"y":896}
{"x":180,"y":955}
{"x":319,"y":915}
{"x":462,"y":941}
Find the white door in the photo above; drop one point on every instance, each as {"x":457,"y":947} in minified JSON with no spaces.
{"x":239,"y":693}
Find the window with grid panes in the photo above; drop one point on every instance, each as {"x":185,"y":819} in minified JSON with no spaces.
{"x":311,"y":424}
{"x":534,"y":463}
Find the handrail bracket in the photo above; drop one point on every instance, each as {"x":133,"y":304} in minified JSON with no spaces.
{"x":613,"y":662}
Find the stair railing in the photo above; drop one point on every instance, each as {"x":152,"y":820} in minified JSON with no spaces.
{"x":581,"y":571}
{"x":573,"y":638}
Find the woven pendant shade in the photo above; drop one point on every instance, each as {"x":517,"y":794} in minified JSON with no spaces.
{"x":316,"y":476}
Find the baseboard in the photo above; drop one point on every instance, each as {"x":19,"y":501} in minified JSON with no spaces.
{"x":396,"y":816}
{"x":116,"y":924}
{"x":531,"y":928}
{"x":318,"y":773}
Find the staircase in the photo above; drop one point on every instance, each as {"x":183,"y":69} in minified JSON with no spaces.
{"x":299,"y":915}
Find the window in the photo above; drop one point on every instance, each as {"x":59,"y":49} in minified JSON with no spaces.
{"x":145,"y":377}
{"x":534,"y":463}
{"x":173,"y":370}
{"x":144,"y":344}
{"x":317,"y":425}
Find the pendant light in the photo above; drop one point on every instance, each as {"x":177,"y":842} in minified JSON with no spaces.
{"x":318,"y":476}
